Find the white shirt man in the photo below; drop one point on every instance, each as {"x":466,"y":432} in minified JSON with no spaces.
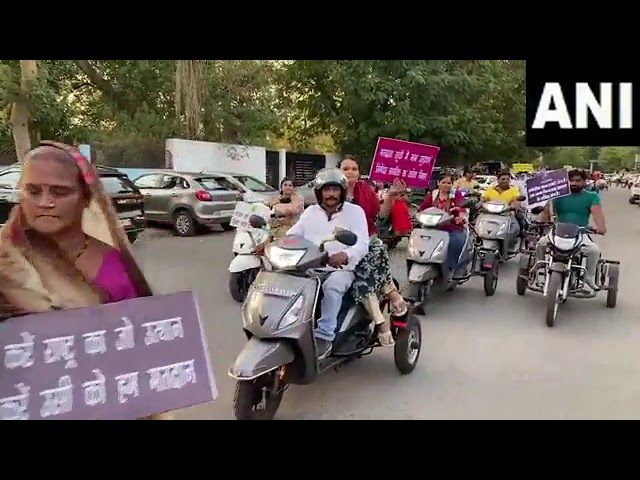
{"x":317,"y":225}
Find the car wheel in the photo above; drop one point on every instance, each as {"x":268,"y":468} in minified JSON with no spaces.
{"x":183,"y":224}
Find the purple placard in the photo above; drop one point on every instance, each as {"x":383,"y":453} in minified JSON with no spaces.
{"x":547,"y":186}
{"x":412,"y":162}
{"x":120,"y":361}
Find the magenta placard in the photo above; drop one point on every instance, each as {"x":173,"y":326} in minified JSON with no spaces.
{"x":410,"y":161}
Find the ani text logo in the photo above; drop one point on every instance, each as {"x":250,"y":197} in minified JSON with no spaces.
{"x":552,"y":107}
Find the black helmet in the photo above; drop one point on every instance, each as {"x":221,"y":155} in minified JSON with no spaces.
{"x":330,"y":177}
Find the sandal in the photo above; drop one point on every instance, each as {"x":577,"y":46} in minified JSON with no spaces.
{"x":385,"y":337}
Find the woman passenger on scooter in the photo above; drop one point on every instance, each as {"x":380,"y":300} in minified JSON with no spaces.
{"x":288,"y":207}
{"x":445,"y":199}
{"x":63,"y":246}
{"x":373,"y":274}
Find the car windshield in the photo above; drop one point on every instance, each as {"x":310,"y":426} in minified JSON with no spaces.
{"x":210,"y":183}
{"x":254,"y":184}
{"x":116,"y":184}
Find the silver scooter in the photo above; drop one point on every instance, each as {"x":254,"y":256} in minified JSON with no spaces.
{"x":498,"y":231}
{"x":279,"y":317}
{"x":427,"y":257}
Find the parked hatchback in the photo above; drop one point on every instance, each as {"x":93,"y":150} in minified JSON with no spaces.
{"x":126,"y":198}
{"x":252,"y":189}
{"x":190,"y":202}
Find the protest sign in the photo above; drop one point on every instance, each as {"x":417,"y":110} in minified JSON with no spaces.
{"x":119,"y":361}
{"x":412,"y":162}
{"x":547,"y":186}
{"x":523,"y":168}
{"x":243,"y":212}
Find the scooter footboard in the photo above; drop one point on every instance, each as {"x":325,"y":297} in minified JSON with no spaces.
{"x":259,"y":357}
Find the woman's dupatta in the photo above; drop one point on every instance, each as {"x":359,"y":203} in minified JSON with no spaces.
{"x":35,"y":276}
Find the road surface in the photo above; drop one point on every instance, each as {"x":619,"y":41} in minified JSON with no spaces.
{"x":482,"y":358}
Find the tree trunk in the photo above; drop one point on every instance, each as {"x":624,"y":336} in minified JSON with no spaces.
{"x":20,"y":115}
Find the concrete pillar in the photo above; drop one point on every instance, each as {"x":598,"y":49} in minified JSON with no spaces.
{"x":282,"y":157}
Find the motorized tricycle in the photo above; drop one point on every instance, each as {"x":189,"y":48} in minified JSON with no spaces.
{"x":561,"y":273}
{"x":279,"y":317}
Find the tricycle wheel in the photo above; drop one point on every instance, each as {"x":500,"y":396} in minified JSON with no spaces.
{"x":257,"y":399}
{"x":406,"y":351}
{"x":491,"y":281}
{"x":612,"y":285}
{"x":521,"y":283}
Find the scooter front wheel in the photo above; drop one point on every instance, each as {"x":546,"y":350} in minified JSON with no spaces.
{"x":257,"y":399}
{"x":239,"y":283}
{"x":406,"y":351}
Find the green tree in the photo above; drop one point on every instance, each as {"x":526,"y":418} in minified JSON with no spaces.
{"x":616,"y":158}
{"x":473,"y":109}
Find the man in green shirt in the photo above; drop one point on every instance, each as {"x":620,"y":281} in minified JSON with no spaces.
{"x":577,"y":208}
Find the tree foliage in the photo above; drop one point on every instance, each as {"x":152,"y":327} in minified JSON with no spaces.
{"x":474,"y":109}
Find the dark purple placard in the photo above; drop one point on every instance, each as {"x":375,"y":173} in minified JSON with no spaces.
{"x":99,"y":371}
{"x":547,"y":186}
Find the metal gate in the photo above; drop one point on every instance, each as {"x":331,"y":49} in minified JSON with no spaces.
{"x":273,"y":169}
{"x":302,"y":167}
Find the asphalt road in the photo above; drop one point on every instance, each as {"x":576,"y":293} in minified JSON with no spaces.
{"x":482,"y":358}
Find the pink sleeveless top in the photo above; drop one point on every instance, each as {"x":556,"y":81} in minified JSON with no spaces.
{"x":112,"y":278}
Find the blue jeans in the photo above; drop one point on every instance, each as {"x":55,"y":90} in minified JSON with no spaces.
{"x":334,"y":288}
{"x":456,"y":244}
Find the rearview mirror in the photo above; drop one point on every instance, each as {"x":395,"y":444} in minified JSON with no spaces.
{"x":521,"y":198}
{"x":346,"y":237}
{"x":256,"y":221}
{"x":537,"y":210}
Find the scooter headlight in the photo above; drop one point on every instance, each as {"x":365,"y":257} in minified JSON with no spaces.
{"x":429,"y":219}
{"x":283,"y":259}
{"x":563,"y":243}
{"x":292,"y":315}
{"x":495,"y":207}
{"x":438,"y":250}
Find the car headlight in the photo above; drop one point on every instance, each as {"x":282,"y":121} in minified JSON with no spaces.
{"x":429,"y":219}
{"x":292,"y":315}
{"x":281,"y":258}
{"x":495,"y":207}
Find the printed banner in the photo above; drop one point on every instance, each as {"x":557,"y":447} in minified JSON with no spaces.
{"x":412,"y":162}
{"x":523,"y":168}
{"x":119,"y":361}
{"x":547,"y":186}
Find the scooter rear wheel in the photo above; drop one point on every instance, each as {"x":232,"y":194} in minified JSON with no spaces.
{"x":256,"y":399}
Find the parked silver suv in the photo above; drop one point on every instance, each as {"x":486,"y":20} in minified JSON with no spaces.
{"x":188,"y":201}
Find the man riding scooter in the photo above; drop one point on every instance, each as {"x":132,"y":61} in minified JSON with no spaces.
{"x":317,"y":224}
{"x":576,"y":209}
{"x":507,"y":193}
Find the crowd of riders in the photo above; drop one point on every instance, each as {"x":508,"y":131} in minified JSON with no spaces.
{"x":346,"y":200}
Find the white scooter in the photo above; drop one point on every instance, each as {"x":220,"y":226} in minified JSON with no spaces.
{"x":246,"y":262}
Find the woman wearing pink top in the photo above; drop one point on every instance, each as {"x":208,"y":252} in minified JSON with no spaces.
{"x":62,"y":246}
